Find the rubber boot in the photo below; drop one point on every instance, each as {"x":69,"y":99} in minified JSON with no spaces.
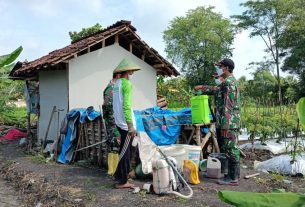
{"x":231,"y":178}
{"x":235,"y":173}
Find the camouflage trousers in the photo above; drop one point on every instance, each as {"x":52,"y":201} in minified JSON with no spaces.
{"x":114,"y":137}
{"x":229,"y":147}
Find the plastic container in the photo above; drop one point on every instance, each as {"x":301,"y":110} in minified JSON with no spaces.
{"x":203,"y":165}
{"x":176,"y":151}
{"x":223,"y":160}
{"x":190,"y":171}
{"x":213,"y":168}
{"x":164,"y":179}
{"x":192,"y":152}
{"x":200,"y":109}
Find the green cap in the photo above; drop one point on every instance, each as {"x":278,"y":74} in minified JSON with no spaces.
{"x":126,"y":65}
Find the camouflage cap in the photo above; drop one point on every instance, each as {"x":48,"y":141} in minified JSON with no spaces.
{"x":126,"y":65}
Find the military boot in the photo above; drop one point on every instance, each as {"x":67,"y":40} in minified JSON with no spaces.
{"x":231,"y":178}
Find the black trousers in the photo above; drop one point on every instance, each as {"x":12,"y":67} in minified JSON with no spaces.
{"x":121,"y":173}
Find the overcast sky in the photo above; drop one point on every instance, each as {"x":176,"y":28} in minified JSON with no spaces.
{"x":41,"y":26}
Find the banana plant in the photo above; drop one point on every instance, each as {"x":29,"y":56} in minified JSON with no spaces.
{"x":7,"y":87}
{"x":9,"y":58}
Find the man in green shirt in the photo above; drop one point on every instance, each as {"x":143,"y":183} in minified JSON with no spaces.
{"x":124,"y":118}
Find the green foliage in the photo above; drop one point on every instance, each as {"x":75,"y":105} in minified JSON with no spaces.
{"x":293,"y":40}
{"x":14,"y":116}
{"x":301,"y":111}
{"x":75,"y":36}
{"x":10,"y":90}
{"x":9,"y":58}
{"x":266,"y":120}
{"x":196,"y":41}
{"x":266,"y":19}
{"x":264,"y":84}
{"x":176,"y":90}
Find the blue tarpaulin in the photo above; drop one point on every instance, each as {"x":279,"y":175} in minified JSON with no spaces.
{"x":162,"y":126}
{"x":68,"y":145}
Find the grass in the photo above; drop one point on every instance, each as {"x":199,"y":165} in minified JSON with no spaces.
{"x":38,"y":158}
{"x":14,"y":117}
{"x":181,"y":200}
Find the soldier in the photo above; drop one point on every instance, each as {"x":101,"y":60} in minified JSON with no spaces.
{"x":112,"y":131}
{"x":114,"y":137}
{"x":228,"y":118}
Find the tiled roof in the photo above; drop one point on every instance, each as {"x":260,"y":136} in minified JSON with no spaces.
{"x":123,"y":30}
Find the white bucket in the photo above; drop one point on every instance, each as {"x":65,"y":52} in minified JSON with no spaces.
{"x":178,"y":152}
{"x":192,"y":152}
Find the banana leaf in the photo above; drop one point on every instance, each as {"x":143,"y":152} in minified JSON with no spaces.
{"x":252,"y":199}
{"x":301,"y":111}
{"x":9,"y":58}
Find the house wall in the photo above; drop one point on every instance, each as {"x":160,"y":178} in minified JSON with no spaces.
{"x":53,"y":90}
{"x":89,"y":74}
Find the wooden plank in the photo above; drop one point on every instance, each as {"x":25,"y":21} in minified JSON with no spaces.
{"x":87,"y":141}
{"x":116,"y":38}
{"x":48,"y":128}
{"x":252,"y":175}
{"x":215,"y":143}
{"x":191,"y":136}
{"x":78,"y":143}
{"x":161,"y":100}
{"x":99,"y":154}
{"x":93,"y":139}
{"x":130,"y":47}
{"x":159,"y":65}
{"x":198,"y":135}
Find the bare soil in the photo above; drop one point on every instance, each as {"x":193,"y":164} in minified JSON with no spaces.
{"x":53,"y":184}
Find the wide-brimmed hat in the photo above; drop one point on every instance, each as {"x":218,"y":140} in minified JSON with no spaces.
{"x":126,"y":65}
{"x":226,"y":62}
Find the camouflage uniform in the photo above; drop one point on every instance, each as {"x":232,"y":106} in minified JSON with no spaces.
{"x":227,"y":100}
{"x":112,"y":131}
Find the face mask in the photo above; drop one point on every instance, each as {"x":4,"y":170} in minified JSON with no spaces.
{"x":219,"y":71}
{"x":218,"y":82}
{"x":130,"y":76}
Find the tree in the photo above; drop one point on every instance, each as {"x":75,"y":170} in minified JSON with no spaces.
{"x":293,"y":41}
{"x":290,"y":89}
{"x":266,"y":19}
{"x":85,"y":32}
{"x":262,"y":85}
{"x":196,"y":41}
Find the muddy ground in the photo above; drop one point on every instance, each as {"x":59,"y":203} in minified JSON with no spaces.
{"x":51,"y":184}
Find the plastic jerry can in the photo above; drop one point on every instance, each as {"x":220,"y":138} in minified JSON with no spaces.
{"x":213,"y":168}
{"x":223,"y":160}
{"x":200,"y":109}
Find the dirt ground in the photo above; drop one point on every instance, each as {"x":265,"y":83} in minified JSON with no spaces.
{"x":52,"y":184}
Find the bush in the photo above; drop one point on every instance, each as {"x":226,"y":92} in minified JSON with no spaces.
{"x":14,"y":116}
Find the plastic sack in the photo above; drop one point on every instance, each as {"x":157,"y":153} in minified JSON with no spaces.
{"x":190,"y":171}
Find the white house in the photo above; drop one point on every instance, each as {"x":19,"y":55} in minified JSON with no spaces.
{"x":76,"y":75}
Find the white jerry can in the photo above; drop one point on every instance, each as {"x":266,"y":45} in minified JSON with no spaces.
{"x":164,"y":179}
{"x":213,"y":168}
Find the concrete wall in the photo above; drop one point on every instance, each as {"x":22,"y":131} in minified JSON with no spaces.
{"x":89,"y":74}
{"x":53,"y":89}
